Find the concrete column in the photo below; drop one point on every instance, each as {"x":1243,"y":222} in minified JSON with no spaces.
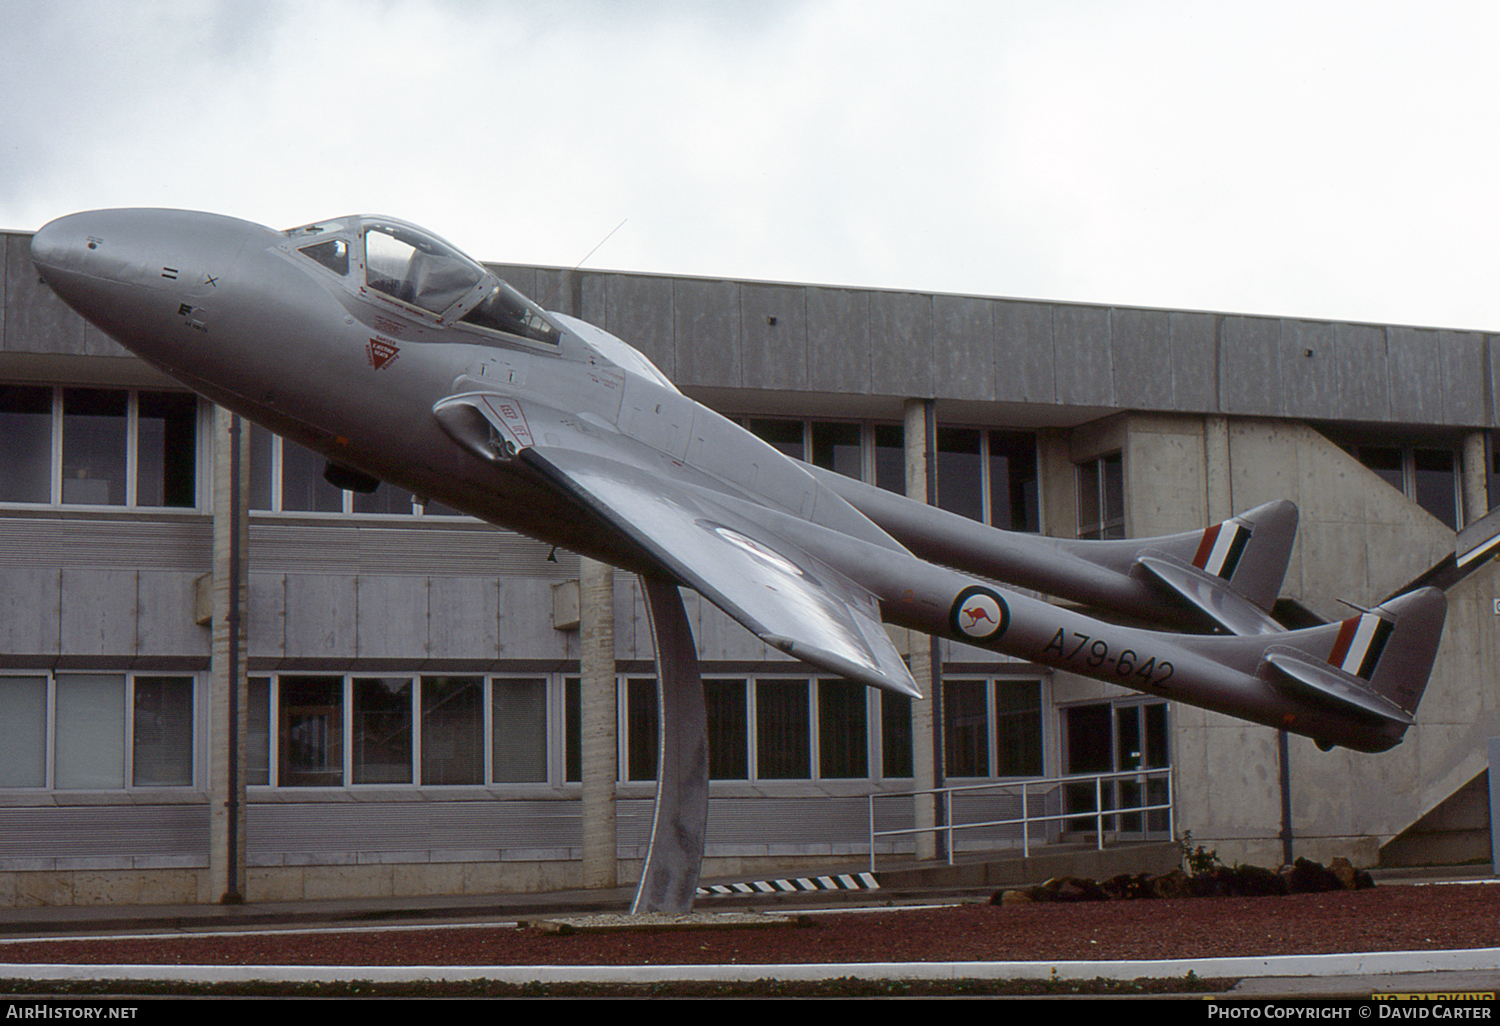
{"x":1476,"y":477}
{"x":1216,"y":468}
{"x":228,"y":693}
{"x":926,"y":720}
{"x":599,"y":717}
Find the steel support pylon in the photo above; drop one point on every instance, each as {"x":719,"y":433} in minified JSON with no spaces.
{"x":670,"y":877}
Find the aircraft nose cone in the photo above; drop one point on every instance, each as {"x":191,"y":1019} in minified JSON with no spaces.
{"x":52,"y":245}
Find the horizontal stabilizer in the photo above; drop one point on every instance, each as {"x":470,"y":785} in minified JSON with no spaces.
{"x":1319,"y":680}
{"x":1210,"y":594}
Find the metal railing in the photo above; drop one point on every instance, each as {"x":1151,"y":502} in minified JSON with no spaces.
{"x":1055,"y":794}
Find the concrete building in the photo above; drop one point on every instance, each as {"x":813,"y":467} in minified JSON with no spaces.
{"x":414,"y":711}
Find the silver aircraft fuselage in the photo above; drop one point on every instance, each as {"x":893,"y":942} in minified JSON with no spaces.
{"x":394,"y":355}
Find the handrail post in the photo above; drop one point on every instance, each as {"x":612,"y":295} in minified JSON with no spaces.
{"x":1025,"y":824}
{"x":948,"y":820}
{"x":1098,"y":812}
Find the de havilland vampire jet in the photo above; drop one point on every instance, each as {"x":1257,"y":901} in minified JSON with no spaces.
{"x":401,"y":359}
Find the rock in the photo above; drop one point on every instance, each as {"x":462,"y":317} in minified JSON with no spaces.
{"x":1126,"y":887}
{"x":1171,"y":885}
{"x":1309,"y":877}
{"x":1255,"y":882}
{"x":1010,"y":897}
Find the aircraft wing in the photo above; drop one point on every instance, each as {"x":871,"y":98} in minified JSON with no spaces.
{"x":783,"y":594}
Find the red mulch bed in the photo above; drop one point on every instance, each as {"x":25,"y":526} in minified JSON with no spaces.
{"x":1393,"y":918}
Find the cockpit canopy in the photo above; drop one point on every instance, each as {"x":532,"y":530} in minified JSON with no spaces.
{"x":415,"y":267}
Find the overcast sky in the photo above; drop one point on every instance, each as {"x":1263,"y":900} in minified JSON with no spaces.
{"x":1330,"y":160}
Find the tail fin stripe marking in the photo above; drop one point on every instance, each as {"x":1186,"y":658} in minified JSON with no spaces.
{"x":1360,"y":642}
{"x":1380,"y":636}
{"x":1236,"y":549}
{"x":1220,"y":550}
{"x":1341,"y":645}
{"x":1206,"y":547}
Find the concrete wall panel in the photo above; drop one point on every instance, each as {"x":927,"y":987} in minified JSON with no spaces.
{"x":1416,"y":371}
{"x":320,"y":617}
{"x":1024,"y":354}
{"x":1250,"y":379}
{"x":1164,"y":460}
{"x":632,"y":623}
{"x":963,"y":347}
{"x":901,"y":344}
{"x":1309,"y":368}
{"x":1083,"y":356}
{"x":838,"y":340}
{"x":522,"y":279}
{"x":99,"y":613}
{"x":1364,"y":381}
{"x":464,"y":617}
{"x":167,"y":628}
{"x":774,"y":355}
{"x":706,"y":327}
{"x":1141,"y":355}
{"x":36,"y":321}
{"x":720,"y":637}
{"x":526,"y":630}
{"x":391,"y":618}
{"x":266,"y":630}
{"x":1195,"y":357}
{"x":1462,"y":355}
{"x":30,"y":614}
{"x":639,"y":310}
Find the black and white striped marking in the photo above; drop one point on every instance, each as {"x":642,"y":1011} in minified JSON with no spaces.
{"x":801,"y":884}
{"x":1220,"y":550}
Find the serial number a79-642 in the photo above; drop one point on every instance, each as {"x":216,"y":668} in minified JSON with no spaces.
{"x":1095,"y":653}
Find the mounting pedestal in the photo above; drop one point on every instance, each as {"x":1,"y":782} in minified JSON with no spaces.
{"x":670,"y":877}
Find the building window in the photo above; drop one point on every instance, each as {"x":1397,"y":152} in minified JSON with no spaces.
{"x":838,"y":447}
{"x":1116,"y":737}
{"x":992,"y":727}
{"x":895,"y":735}
{"x":161,"y":742}
{"x":310,"y":732}
{"x":728,"y":730}
{"x":641,"y":725}
{"x":966,"y":728}
{"x":783,"y":742}
{"x":785,"y":436}
{"x":986,"y":475}
{"x":26,"y":457}
{"x":1428,"y":476}
{"x":1018,"y":728}
{"x":99,"y":447}
{"x":890,"y":458}
{"x":107,"y":731}
{"x":843,"y":732}
{"x":452,"y":730}
{"x":518,"y":712}
{"x":1101,"y":497}
{"x":288,"y":478}
{"x":381,"y":718}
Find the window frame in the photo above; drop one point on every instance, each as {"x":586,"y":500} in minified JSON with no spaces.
{"x":1093,"y":477}
{"x":131,"y":426}
{"x":197,"y":719}
{"x":869,"y":457}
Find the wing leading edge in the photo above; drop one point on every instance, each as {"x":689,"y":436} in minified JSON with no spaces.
{"x":783,"y":594}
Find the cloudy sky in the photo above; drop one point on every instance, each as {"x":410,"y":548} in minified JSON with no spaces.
{"x":1333,"y":160}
